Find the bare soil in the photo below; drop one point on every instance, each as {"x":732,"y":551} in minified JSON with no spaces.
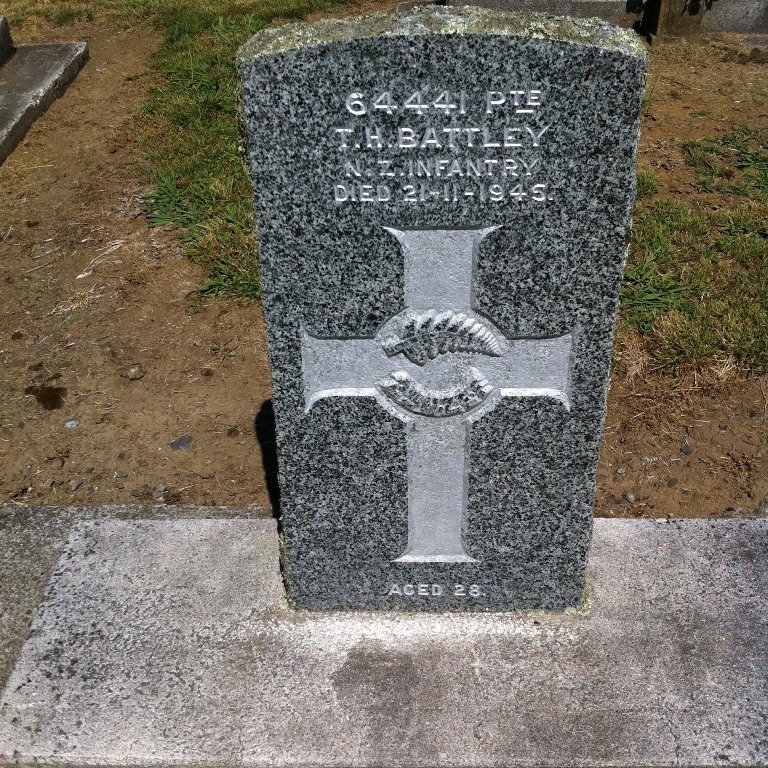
{"x":107,"y":361}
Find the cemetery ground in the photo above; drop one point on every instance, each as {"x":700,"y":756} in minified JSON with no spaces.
{"x":124,"y":382}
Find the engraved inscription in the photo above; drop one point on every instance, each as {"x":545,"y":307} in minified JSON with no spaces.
{"x":522,"y":101}
{"x":453,"y":138}
{"x":457,"y":146}
{"x":447,"y":193}
{"x":426,"y":335}
{"x":416,"y":398}
{"x":436,"y":590}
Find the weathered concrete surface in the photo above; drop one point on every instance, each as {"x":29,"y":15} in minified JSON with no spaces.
{"x":617,"y":12}
{"x":31,"y":541}
{"x":165,"y":642}
{"x":32,"y":78}
{"x":744,"y":16}
{"x":677,"y":17}
{"x":682,"y":18}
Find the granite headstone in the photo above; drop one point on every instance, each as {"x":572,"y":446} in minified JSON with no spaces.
{"x":442,"y":203}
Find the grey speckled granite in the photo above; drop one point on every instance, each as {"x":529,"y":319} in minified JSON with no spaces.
{"x":379,"y":212}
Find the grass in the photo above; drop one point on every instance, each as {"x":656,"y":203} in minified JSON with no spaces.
{"x":649,"y":290}
{"x":59,"y":12}
{"x":695,"y":293}
{"x":647,"y":184}
{"x":69,"y":14}
{"x":696,"y":285}
{"x":736,"y":163}
{"x":189,"y":136}
{"x":187,"y":129}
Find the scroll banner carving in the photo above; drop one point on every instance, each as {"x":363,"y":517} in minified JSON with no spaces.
{"x":416,"y":398}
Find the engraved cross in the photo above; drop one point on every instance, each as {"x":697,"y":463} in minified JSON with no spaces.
{"x":438,"y":365}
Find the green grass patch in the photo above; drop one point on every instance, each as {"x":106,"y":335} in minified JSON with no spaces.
{"x":647,"y":184}
{"x":58,"y":12}
{"x":736,"y":163}
{"x":69,"y":14}
{"x":189,"y":136}
{"x":696,"y":286}
{"x":649,"y":291}
{"x":696,"y":282}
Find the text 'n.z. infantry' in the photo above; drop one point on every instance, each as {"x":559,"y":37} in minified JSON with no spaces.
{"x":453,"y":148}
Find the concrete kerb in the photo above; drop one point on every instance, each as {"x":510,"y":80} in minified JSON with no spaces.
{"x":31,"y":541}
{"x":616,"y":12}
{"x":166,"y":642}
{"x":32,"y":77}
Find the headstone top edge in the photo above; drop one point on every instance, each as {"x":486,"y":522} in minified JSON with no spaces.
{"x":439,"y":20}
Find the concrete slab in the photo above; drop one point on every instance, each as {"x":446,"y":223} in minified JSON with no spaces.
{"x":739,"y":16}
{"x":683,"y":18}
{"x":32,"y":539}
{"x":166,"y":642}
{"x":30,"y":80}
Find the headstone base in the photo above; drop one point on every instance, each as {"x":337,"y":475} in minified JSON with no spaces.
{"x":168,"y":643}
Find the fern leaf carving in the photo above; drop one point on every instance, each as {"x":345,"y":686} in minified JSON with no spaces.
{"x":423,"y":336}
